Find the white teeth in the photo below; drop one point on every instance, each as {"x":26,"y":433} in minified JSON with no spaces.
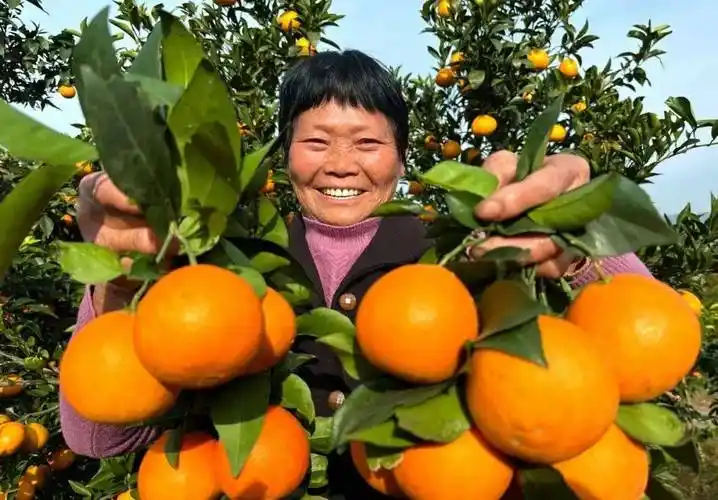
{"x":341,"y":193}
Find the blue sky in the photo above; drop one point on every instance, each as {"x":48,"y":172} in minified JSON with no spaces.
{"x":390,"y":31}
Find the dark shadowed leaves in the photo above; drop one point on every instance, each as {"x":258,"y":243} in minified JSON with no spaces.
{"x":544,"y":483}
{"x":534,"y":148}
{"x":523,"y":341}
{"x":506,"y":304}
{"x":323,"y":321}
{"x":181,"y":52}
{"x":254,"y":170}
{"x":461,"y":206}
{"x":386,"y":435}
{"x":346,"y":348}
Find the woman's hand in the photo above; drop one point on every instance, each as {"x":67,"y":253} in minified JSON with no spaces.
{"x":560,"y":173}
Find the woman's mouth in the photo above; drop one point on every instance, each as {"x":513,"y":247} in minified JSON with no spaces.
{"x":341,"y":193}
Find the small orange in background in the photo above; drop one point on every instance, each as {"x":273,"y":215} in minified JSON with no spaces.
{"x":67,"y":219}
{"x":102,"y":378}
{"x":693,"y":301}
{"x":125,"y":495}
{"x":647,"y":331}
{"x":10,"y":386}
{"x":450,"y":150}
{"x":199,"y":326}
{"x":542,"y":414}
{"x":538,"y":58}
{"x":61,"y":460}
{"x":457,"y":58}
{"x":429,"y":214}
{"x":615,"y":468}
{"x":446,"y":77}
{"x":484,"y":125}
{"x":444,"y":8}
{"x":470,"y":155}
{"x":305,"y":47}
{"x":558,"y":133}
{"x":382,"y":480}
{"x":414,"y":322}
{"x":415,"y":188}
{"x":37,"y":475}
{"x":67,"y":91}
{"x":36,"y":437}
{"x":431,"y":143}
{"x":12,"y":435}
{"x":568,"y":68}
{"x":193,"y":479}
{"x":25,"y":491}
{"x":464,"y":468}
{"x":280,"y":329}
{"x":289,"y":21}
{"x":579,"y":107}
{"x":276,"y":465}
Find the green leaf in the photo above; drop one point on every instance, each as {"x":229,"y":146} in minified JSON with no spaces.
{"x":575,"y":209}
{"x":318,"y":471}
{"x":505,"y":305}
{"x":658,"y":490}
{"x":24,"y":204}
{"x":346,"y":348}
{"x":148,"y":62}
{"x":441,"y":419}
{"x":321,"y":438}
{"x":89,"y":263}
{"x":181,"y":52}
{"x":254,"y":170}
{"x":398,"y":207}
{"x":79,"y":488}
{"x":173,"y":445}
{"x":251,"y":276}
{"x":237,"y":412}
{"x":493,"y":263}
{"x":681,"y":106}
{"x":630,"y":224}
{"x":96,"y":51}
{"x":158,"y":92}
{"x":374,"y":402}
{"x":523,"y":341}
{"x":132,"y":147}
{"x":271,"y":225}
{"x":27,"y":139}
{"x":323,"y":321}
{"x":461,"y":206}
{"x":296,"y":395}
{"x":534,"y":148}
{"x":522,"y":225}
{"x":429,"y":257}
{"x":382,"y":458}
{"x":385,"y":435}
{"x":143,"y":267}
{"x":651,"y":424}
{"x":456,"y":176}
{"x":686,"y":454}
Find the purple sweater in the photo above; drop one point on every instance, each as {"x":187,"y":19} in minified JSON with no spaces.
{"x":334,"y":250}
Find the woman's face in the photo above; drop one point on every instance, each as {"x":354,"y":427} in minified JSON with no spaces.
{"x":343,"y":163}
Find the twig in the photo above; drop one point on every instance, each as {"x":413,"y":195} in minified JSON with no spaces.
{"x":467,"y":242}
{"x":26,"y":417}
{"x":158,"y":259}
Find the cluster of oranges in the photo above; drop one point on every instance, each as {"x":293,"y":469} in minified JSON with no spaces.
{"x":624,"y":340}
{"x":31,"y":438}
{"x":290,"y":22}
{"x":198,"y":327}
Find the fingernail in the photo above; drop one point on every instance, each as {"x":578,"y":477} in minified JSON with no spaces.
{"x":489,"y":209}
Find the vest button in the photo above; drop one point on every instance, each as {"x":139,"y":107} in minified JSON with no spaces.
{"x":348,"y":301}
{"x":336,"y":400}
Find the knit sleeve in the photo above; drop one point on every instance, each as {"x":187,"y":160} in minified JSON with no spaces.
{"x":98,"y":440}
{"x":626,"y":263}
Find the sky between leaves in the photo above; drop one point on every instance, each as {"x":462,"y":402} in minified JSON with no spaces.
{"x":390,"y":31}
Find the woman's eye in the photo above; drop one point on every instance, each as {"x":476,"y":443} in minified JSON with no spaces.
{"x":368,"y":141}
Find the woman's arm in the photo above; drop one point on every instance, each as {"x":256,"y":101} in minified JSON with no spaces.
{"x":98,"y":440}
{"x":627,"y":263}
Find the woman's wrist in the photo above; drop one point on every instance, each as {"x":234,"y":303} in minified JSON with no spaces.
{"x":109,"y":297}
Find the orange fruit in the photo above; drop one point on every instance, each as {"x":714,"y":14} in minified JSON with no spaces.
{"x":280,"y":329}
{"x":25,"y":491}
{"x":579,"y":107}
{"x":194,"y":477}
{"x":557,"y":134}
{"x":36,"y":475}
{"x":693,"y":301}
{"x":470,"y":155}
{"x":36,"y":437}
{"x":67,"y":219}
{"x":648,"y":332}
{"x":125,"y":495}
{"x":414,"y":322}
{"x":4,"y":419}
{"x":431,"y":143}
{"x":268,"y":186}
{"x":12,"y":435}
{"x":538,"y":58}
{"x":443,"y":8}
{"x":568,"y":68}
{"x":305,"y":47}
{"x":484,"y":125}
{"x":381,"y":480}
{"x":103,"y":379}
{"x":67,"y":91}
{"x":276,"y":465}
{"x":457,"y":58}
{"x":61,"y":459}
{"x":464,"y":468}
{"x":429,"y":214}
{"x":543,"y":414}
{"x":10,"y":385}
{"x":446,"y":77}
{"x":288,"y":21}
{"x":528,"y":97}
{"x":415,"y":188}
{"x":616,"y":467}
{"x":450,"y":149}
{"x":199,"y":326}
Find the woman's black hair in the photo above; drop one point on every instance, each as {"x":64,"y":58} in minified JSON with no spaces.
{"x":348,"y":78}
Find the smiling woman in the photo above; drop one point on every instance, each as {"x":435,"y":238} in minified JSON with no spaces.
{"x":345,"y":134}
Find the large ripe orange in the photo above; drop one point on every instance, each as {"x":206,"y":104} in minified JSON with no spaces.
{"x":544,"y":414}
{"x":102,"y":378}
{"x":615,"y":468}
{"x":464,"y":468}
{"x":276,"y":465}
{"x":646,"y":329}
{"x":280,"y":329}
{"x":414,"y":322}
{"x":193,"y":479}
{"x":381,"y":480}
{"x":199,"y":326}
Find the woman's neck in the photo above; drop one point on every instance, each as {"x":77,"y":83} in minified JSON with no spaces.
{"x":335,"y":249}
